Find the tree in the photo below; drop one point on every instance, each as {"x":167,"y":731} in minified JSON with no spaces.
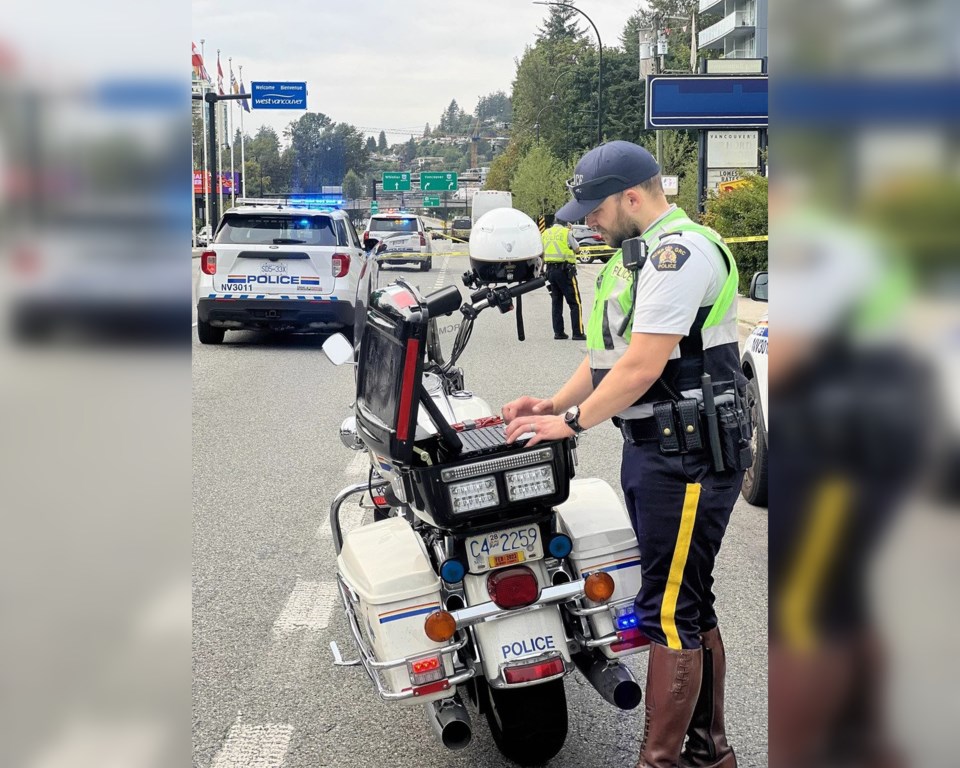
{"x":538,"y":186}
{"x":352,"y":185}
{"x":504,"y":166}
{"x":742,"y":212}
{"x":371,"y":145}
{"x":323,"y":151}
{"x":495,"y":107}
{"x":382,"y":142}
{"x":561,"y":24}
{"x":426,"y":131}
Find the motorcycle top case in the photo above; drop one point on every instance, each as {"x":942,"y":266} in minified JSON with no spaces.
{"x":385,"y":564}
{"x":603,"y":540}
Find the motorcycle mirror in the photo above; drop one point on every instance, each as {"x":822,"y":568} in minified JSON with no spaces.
{"x":444,"y":301}
{"x":338,"y":349}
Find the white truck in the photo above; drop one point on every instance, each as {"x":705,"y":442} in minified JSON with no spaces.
{"x":488,"y":199}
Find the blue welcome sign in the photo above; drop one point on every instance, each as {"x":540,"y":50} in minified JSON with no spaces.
{"x":278,"y":95}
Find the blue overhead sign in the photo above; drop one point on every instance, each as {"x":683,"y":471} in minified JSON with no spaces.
{"x":706,"y":101}
{"x":279,"y":95}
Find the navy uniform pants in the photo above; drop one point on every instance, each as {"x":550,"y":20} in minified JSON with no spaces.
{"x":679,"y":508}
{"x":563,"y":280}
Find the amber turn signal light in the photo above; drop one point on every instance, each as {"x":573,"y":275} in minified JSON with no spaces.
{"x":598,"y":587}
{"x":440,"y":626}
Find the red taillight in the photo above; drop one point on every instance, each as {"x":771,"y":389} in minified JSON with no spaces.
{"x":341,"y":264}
{"x":208,"y":262}
{"x":513,"y":587}
{"x":423,"y":240}
{"x":426,"y":665}
{"x":530,"y":672}
{"x":407,"y":387}
{"x":366,"y":235}
{"x":629,"y":638}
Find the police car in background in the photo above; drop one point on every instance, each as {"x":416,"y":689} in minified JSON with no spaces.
{"x":403,"y":239}
{"x":280,"y":265}
{"x":754,"y":362}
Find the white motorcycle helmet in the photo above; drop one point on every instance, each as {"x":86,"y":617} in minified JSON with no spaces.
{"x":505,"y":246}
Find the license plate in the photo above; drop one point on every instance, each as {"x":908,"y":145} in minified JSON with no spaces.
{"x":507,"y":547}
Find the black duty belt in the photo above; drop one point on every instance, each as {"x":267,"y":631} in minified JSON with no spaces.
{"x":637,"y":430}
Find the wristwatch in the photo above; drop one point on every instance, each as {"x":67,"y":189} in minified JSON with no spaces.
{"x":571,"y":417}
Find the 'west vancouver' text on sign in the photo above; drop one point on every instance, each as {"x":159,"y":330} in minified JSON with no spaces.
{"x":279,"y":95}
{"x":706,"y":101}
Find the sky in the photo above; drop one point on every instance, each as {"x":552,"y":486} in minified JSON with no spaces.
{"x":382,"y":64}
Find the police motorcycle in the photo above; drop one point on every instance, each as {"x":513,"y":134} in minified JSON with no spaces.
{"x":490,"y":573}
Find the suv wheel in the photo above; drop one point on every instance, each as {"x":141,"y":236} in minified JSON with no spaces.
{"x":209,"y":334}
{"x":585,"y":259}
{"x":754,"y":487}
{"x":426,"y":265}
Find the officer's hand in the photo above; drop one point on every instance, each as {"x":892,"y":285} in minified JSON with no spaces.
{"x":526,"y":406}
{"x":542,"y":427}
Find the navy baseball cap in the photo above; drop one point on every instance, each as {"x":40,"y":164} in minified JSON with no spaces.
{"x":604,"y":171}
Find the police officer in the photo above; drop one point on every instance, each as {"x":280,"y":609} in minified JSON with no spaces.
{"x":559,"y":253}
{"x":648,"y":346}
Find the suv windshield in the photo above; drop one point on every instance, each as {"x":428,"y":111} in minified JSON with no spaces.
{"x":393,"y":225}
{"x":461,"y":224}
{"x":260,"y":229}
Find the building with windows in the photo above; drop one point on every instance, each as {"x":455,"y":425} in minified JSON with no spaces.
{"x":741,"y":32}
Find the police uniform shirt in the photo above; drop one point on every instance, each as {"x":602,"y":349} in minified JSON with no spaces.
{"x":685,"y":272}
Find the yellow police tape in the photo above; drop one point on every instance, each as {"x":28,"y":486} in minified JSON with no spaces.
{"x":755,"y":239}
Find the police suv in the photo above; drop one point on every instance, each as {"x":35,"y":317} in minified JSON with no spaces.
{"x":754,"y":362}
{"x":403,"y":239}
{"x":280,"y":265}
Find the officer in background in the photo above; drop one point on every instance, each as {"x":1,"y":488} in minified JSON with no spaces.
{"x":656,"y":328}
{"x":559,"y":253}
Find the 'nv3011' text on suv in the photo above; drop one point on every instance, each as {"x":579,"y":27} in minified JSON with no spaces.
{"x":402,"y":239}
{"x":279,"y":267}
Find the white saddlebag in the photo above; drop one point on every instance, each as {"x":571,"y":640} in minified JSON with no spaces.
{"x":386,"y":565}
{"x":603,"y":540}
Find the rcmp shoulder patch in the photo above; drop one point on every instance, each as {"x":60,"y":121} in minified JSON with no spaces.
{"x":669,"y":258}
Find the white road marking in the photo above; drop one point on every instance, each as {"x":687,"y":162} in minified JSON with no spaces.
{"x":254,"y":746}
{"x":443,"y":274}
{"x":308,"y":607}
{"x":351,"y":517}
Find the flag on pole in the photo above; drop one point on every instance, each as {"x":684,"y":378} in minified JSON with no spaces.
{"x":219,"y":75}
{"x":198,"y":67}
{"x":243,"y":91}
{"x":234,"y":86}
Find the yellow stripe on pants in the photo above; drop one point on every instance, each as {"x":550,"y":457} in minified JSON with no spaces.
{"x":668,"y":609}
{"x":576,"y":295}
{"x":828,"y":516}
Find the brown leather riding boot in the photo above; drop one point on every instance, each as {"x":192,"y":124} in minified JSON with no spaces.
{"x":673,"y":682}
{"x":707,"y":743}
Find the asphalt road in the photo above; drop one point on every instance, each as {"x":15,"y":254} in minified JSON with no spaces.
{"x":268,"y":461}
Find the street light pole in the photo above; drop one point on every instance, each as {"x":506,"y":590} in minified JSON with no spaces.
{"x":599,"y":68}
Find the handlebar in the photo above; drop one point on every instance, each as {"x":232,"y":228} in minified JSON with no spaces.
{"x":500,"y":297}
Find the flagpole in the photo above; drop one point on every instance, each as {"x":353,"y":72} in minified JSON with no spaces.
{"x":219,"y":118}
{"x":207,"y":161}
{"x":243,"y":160}
{"x":233,"y":179}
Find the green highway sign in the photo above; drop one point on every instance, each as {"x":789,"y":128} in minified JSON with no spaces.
{"x":374,"y":206}
{"x":396,"y":181}
{"x":431,"y":201}
{"x":432,"y":180}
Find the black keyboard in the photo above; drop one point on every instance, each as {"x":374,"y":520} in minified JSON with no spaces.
{"x":483,"y":440}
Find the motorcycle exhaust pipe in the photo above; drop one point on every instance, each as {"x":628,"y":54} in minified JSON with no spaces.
{"x":611,"y":679}
{"x":450,"y":721}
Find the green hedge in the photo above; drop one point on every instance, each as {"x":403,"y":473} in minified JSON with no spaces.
{"x":742,"y":212}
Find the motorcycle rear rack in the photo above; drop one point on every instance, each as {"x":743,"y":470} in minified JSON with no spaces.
{"x":372,"y":667}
